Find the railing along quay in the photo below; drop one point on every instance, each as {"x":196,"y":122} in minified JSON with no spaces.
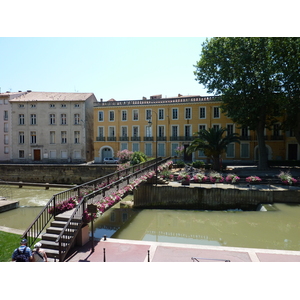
{"x":87,"y":193}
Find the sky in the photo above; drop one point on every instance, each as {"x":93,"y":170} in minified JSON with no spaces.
{"x":123,"y":68}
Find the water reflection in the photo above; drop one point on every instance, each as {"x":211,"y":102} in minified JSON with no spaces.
{"x":278,"y":229}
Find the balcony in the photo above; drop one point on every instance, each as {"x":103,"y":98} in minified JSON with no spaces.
{"x":100,"y":138}
{"x":161,"y":138}
{"x":111,"y":138}
{"x":148,"y":138}
{"x":123,"y":138}
{"x":136,"y":138}
{"x":245,"y":138}
{"x":277,"y":137}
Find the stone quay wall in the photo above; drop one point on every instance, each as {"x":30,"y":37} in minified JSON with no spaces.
{"x":187,"y":197}
{"x":45,"y":173}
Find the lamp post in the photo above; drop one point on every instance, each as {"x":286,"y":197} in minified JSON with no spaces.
{"x":150,"y":124}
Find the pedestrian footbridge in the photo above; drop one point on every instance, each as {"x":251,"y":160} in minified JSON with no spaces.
{"x":62,"y":218}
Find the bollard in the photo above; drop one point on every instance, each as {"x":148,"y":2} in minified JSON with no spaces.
{"x":148,"y":255}
{"x":104,"y":258}
{"x":104,"y":237}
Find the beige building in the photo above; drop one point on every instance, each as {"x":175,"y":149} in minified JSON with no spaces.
{"x":5,"y":124}
{"x":52,"y":127}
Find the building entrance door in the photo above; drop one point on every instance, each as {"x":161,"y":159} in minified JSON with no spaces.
{"x":292,"y":151}
{"x":36,"y":154}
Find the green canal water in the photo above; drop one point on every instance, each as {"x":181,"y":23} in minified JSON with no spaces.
{"x":276,"y":229}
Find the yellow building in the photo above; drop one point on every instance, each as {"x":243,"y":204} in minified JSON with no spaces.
{"x":157,"y":126}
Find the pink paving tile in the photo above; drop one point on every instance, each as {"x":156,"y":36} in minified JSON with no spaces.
{"x":114,"y":252}
{"x":273,"y":257}
{"x":178,"y":254}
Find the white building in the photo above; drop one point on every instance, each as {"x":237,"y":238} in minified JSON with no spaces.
{"x":5,"y":124}
{"x":52,"y":127}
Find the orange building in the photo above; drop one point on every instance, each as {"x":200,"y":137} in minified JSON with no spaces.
{"x":157,"y":126}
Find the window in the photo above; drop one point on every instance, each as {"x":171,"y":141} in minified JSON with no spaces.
{"x":63,"y":119}
{"x":76,"y":154}
{"x":135,"y":131}
{"x":101,"y":131}
{"x":187,"y":130}
{"x":173,"y":149}
{"x":33,"y":106}
{"x":161,"y":149}
{"x":33,"y":119}
{"x":32,"y":137}
{"x":244,"y":150}
{"x":111,"y":115}
{"x":100,"y":116}
{"x":202,"y":112}
{"x":244,"y":131}
{"x":124,"y":115}
{"x":175,"y":113}
{"x":276,"y":130}
{"x":135,"y":114}
{"x":63,"y":105}
{"x":52,"y":119}
{"x":63,"y":137}
{"x":230,"y":150}
{"x":202,"y":127}
{"x":148,"y":149}
{"x":76,"y":137}
{"x":148,"y":131}
{"x":76,"y":105}
{"x":5,"y":115}
{"x":111,"y":131}
{"x":148,"y":114}
{"x":64,"y":154}
{"x":174,"y":131}
{"x":161,"y":114}
{"x":124,"y":146}
{"x":135,"y":147}
{"x":21,"y":119}
{"x":76,"y":119}
{"x":21,"y":154}
{"x":5,"y":127}
{"x":188,"y":113}
{"x":21,"y":106}
{"x":21,"y":137}
{"x":52,"y":137}
{"x":229,"y":129}
{"x":52,"y":105}
{"x":161,"y":131}
{"x":6,"y":139}
{"x":124,"y":131}
{"x":6,"y":150}
{"x":52,"y":154}
{"x":216,"y":126}
{"x":216,"y":112}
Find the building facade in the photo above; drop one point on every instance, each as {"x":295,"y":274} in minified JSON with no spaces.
{"x":52,"y":127}
{"x":6,"y":125}
{"x":157,"y":126}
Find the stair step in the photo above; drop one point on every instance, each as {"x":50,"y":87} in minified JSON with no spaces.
{"x":56,"y":223}
{"x":51,"y":253}
{"x":53,"y":237}
{"x":57,"y":230}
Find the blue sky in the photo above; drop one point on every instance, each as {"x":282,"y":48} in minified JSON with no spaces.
{"x":122,"y":68}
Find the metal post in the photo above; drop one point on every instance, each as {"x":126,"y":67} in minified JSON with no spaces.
{"x":104,"y":258}
{"x":148,"y":255}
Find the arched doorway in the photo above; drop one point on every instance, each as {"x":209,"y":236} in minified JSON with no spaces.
{"x":269,"y":152}
{"x":104,"y":152}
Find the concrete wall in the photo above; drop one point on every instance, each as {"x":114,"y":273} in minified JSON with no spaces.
{"x":148,"y":196}
{"x":73,"y":174}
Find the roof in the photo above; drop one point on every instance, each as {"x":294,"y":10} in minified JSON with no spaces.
{"x":52,"y":96}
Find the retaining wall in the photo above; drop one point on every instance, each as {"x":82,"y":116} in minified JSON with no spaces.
{"x":70,"y":174}
{"x":187,"y":197}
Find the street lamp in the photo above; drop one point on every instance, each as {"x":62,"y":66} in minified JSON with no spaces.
{"x":150,"y":124}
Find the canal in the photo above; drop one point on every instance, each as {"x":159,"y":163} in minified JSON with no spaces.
{"x":278,"y":228}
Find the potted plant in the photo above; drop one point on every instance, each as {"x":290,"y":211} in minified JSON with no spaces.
{"x":232,"y":178}
{"x":184,"y":178}
{"x":216,"y":177}
{"x":199,"y":177}
{"x":286,"y":178}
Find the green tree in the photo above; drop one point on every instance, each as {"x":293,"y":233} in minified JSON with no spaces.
{"x":288,"y":58}
{"x":138,"y":158}
{"x":213,"y":144}
{"x":244,"y":73}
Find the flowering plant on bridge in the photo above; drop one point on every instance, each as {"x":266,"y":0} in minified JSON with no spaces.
{"x":253,"y":179}
{"x":64,"y":206}
{"x":183,"y":176}
{"x":216,"y":177}
{"x":200,"y":177}
{"x":232,"y":178}
{"x":286,"y":178}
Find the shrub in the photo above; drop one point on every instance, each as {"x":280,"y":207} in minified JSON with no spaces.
{"x":180,"y":164}
{"x":198,"y":164}
{"x":138,"y":158}
{"x":124,"y":156}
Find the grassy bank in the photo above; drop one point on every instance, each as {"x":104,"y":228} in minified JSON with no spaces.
{"x":9,"y":242}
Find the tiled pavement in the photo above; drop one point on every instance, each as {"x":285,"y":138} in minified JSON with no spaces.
{"x":116,"y":250}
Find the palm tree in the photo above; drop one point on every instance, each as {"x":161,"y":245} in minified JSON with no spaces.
{"x":213,"y":144}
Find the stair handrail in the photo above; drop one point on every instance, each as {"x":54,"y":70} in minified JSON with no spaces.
{"x":44,"y":217}
{"x":83,"y":203}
